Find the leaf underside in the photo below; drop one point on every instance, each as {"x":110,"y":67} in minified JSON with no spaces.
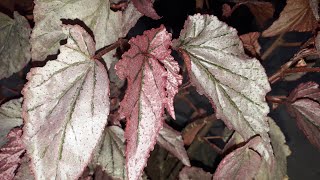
{"x":14,"y":44}
{"x":65,"y":109}
{"x":219,"y":68}
{"x":153,"y":80}
{"x":146,"y":8}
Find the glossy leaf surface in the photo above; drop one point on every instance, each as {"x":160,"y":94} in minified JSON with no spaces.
{"x":65,"y":109}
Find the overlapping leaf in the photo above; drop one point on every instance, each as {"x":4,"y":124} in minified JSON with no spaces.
{"x":10,"y":154}
{"x":296,"y":16}
{"x":10,"y":117}
{"x":194,"y":173}
{"x":111,"y":154}
{"x":304,"y":105}
{"x":65,"y":109}
{"x":219,"y":68}
{"x":171,"y":140}
{"x":152,"y":82}
{"x":262,"y":11}
{"x":281,"y":152}
{"x":242,"y":163}
{"x":146,"y":8}
{"x":24,"y":171}
{"x":14,"y":44}
{"x":107,"y":26}
{"x":250,"y":43}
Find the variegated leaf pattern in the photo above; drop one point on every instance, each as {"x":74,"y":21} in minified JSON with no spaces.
{"x":235,"y":84}
{"x":65,"y":109}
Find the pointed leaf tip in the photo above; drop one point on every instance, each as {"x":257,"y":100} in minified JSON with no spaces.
{"x":218,"y":67}
{"x":153,"y":80}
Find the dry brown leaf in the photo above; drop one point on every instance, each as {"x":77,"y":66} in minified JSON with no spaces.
{"x":296,"y":16}
{"x":250,"y":43}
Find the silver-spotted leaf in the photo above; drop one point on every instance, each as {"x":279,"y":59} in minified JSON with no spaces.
{"x":148,"y":67}
{"x":219,"y":68}
{"x":107,"y":26}
{"x":10,"y":154}
{"x":297,"y":15}
{"x":111,"y":154}
{"x":10,"y":117}
{"x":304,"y":105}
{"x":171,"y":140}
{"x":14,"y":44}
{"x":194,"y":173}
{"x":242,"y":163}
{"x":65,"y":109}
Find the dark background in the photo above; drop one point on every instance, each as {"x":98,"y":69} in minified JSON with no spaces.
{"x":304,"y":162}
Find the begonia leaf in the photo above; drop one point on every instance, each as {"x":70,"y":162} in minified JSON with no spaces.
{"x":251,"y":44}
{"x":304,"y":105}
{"x":10,"y":117}
{"x":194,"y":173}
{"x":153,"y":80}
{"x":65,"y":109}
{"x":10,"y":154}
{"x":171,"y":140}
{"x":14,"y":44}
{"x":111,"y":153}
{"x":218,"y":67}
{"x":107,"y":26}
{"x":146,"y":8}
{"x":296,"y":16}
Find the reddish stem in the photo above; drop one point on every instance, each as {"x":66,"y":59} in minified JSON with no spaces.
{"x":109,"y":48}
{"x":302,"y":69}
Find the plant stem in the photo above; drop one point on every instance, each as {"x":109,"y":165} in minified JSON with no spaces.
{"x":278,"y":42}
{"x":108,"y":48}
{"x":276,"y":99}
{"x":302,"y":69}
{"x":285,"y":68}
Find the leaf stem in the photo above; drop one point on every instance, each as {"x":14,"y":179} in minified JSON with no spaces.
{"x":276,"y":99}
{"x":285,"y":68}
{"x":108,"y":48}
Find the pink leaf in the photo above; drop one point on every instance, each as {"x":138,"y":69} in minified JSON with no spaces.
{"x":171,"y":140}
{"x":146,"y":8}
{"x":65,"y":109}
{"x":243,"y":163}
{"x":144,"y":66}
{"x":194,"y":173}
{"x":10,"y":154}
{"x":305,"y":107}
